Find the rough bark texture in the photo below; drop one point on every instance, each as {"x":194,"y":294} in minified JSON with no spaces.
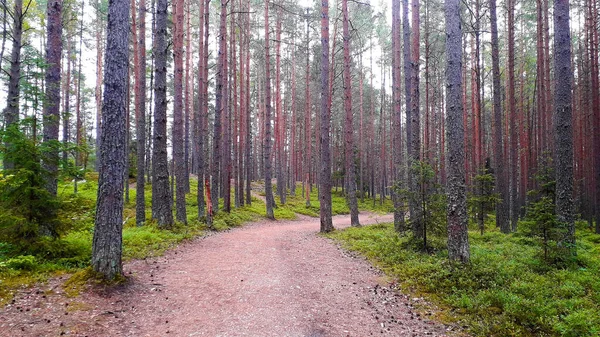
{"x":107,"y":241}
{"x":397,"y":117}
{"x":140,"y":116}
{"x":458,"y":240}
{"x":270,"y":200}
{"x":501,"y":183}
{"x":11,"y":112}
{"x":510,"y":97}
{"x":349,"y":125}
{"x":414,"y":143}
{"x":178,"y":122}
{"x":219,"y":98}
{"x":325,"y":169}
{"x":161,"y":195}
{"x":200,"y":117}
{"x":563,"y":128}
{"x":52,"y":104}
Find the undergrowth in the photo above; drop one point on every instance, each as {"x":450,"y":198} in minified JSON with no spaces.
{"x":506,"y":290}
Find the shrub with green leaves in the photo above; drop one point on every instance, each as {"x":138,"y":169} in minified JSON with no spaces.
{"x":27,"y":209}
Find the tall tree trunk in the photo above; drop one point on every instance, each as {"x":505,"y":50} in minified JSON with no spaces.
{"x":325,"y":169}
{"x":514,"y":215}
{"x":397,"y":106}
{"x":501,"y":183}
{"x":67,"y":106}
{"x":414,"y":144}
{"x":248,"y":113}
{"x":11,"y":112}
{"x":349,"y":125}
{"x":267,"y":121}
{"x":458,"y":239}
{"x":52,"y":104}
{"x":307,"y":115}
{"x":98,"y":91}
{"x":140,"y":116}
{"x":563,"y":128}
{"x":201,"y":117}
{"x":178,"y":122}
{"x":279,"y":127}
{"x":162,"y":201}
{"x":219,"y":98}
{"x":107,"y":241}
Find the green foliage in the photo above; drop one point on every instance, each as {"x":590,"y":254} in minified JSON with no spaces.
{"x":482,"y":200}
{"x":506,"y":290}
{"x":541,"y":221}
{"x":27,"y":209}
{"x":430,"y":199}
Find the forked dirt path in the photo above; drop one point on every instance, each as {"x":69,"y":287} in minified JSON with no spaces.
{"x":265,"y":279}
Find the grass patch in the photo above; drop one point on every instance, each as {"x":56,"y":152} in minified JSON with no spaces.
{"x":297,"y":204}
{"x":505,"y":291}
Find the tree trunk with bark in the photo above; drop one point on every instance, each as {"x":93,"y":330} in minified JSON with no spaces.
{"x":107,"y":241}
{"x":349,"y":125}
{"x":563,"y":128}
{"x":140,"y":116}
{"x":267,"y":146}
{"x":52,"y":104}
{"x":458,"y":239}
{"x":325,"y":169}
{"x":502,"y":215}
{"x":161,"y":195}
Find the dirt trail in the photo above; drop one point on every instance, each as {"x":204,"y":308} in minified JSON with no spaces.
{"x":265,"y":279}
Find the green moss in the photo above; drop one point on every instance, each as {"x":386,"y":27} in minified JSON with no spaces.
{"x":506,"y":290}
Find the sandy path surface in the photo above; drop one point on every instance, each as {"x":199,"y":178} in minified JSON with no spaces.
{"x":265,"y":279}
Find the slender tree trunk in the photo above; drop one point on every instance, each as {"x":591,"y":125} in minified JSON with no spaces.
{"x":11,"y":112}
{"x":67,"y":107}
{"x":140,"y":95}
{"x":162,"y":201}
{"x":399,"y":224}
{"x":414,"y":144}
{"x":267,"y":146}
{"x":200,"y":117}
{"x":514,"y":215}
{"x":307,"y":115}
{"x":458,"y":239}
{"x":325,"y":169}
{"x":98,"y":92}
{"x":349,"y":125}
{"x":502,"y":214}
{"x":107,"y":241}
{"x":178,"y":114}
{"x":248,"y":113}
{"x":219,"y":98}
{"x":52,"y":103}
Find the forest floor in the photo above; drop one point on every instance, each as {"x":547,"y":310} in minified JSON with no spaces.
{"x":268,"y":278}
